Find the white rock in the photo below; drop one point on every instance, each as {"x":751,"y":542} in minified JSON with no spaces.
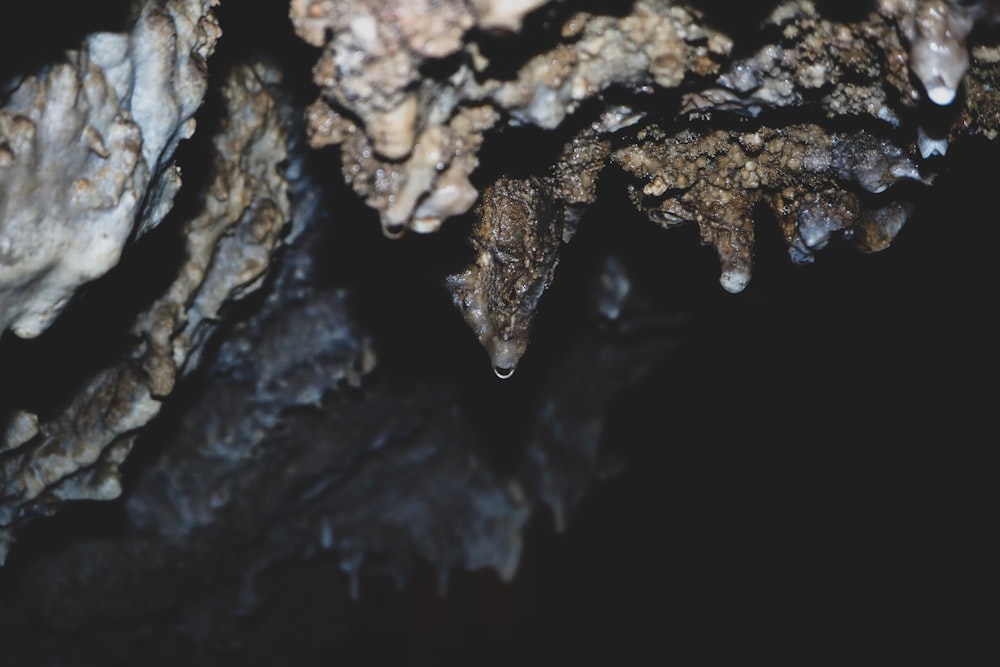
{"x":87,"y":146}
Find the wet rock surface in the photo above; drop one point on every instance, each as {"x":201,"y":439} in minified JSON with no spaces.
{"x":243,"y":422}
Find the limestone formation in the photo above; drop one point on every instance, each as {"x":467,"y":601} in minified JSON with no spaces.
{"x":242,"y":245}
{"x":86,"y":155}
{"x":76,"y":453}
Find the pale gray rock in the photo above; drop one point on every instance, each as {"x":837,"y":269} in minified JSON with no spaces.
{"x":85,"y":155}
{"x":229,"y":243}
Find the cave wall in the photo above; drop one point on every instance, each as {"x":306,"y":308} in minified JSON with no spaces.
{"x":257,"y":261}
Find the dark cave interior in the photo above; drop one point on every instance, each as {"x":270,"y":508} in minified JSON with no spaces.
{"x":801,"y":469}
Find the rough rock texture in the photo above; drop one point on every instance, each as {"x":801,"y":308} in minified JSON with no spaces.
{"x":86,"y":151}
{"x":76,"y":453}
{"x":517,"y":244}
{"x":413,"y":132}
{"x":410,"y":149}
{"x":803,"y":173}
{"x":281,"y":408}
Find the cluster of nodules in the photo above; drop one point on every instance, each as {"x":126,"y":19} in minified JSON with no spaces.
{"x":409,"y":89}
{"x":816,"y":182}
{"x":890,"y":72}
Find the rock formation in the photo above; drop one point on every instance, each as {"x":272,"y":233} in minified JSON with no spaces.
{"x":201,"y":331}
